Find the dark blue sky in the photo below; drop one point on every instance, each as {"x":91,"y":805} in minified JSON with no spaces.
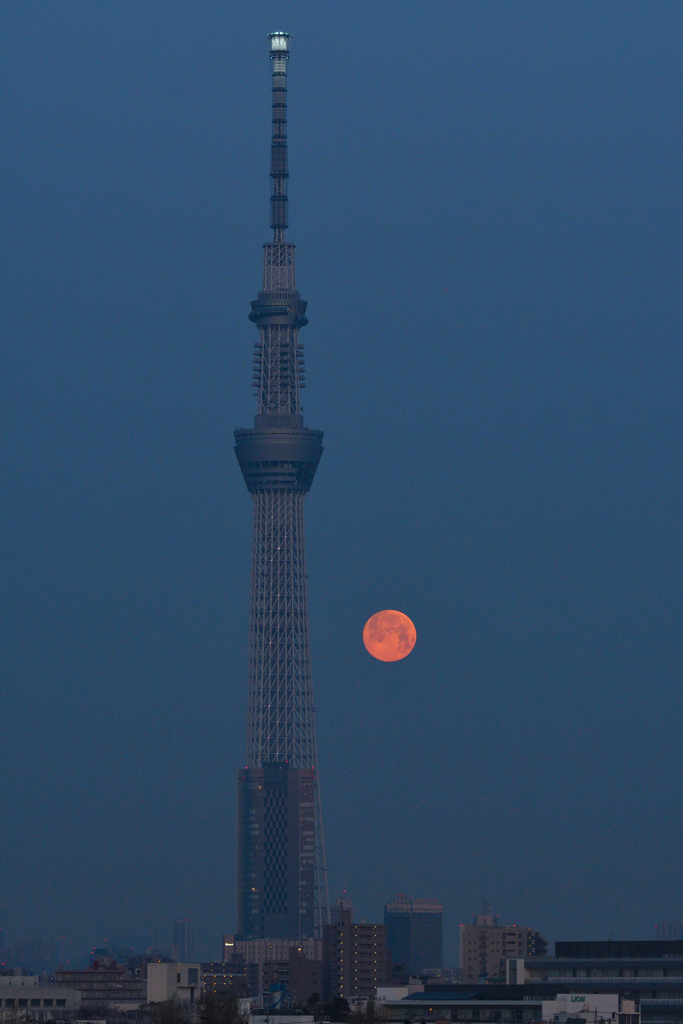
{"x":486,"y":199}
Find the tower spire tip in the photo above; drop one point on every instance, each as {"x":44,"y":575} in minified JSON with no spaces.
{"x":279,"y":41}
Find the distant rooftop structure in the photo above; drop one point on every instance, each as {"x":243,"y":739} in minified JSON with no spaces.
{"x":183,"y":941}
{"x":342,"y":903}
{"x":408,"y":905}
{"x":669,"y":930}
{"x":635,"y":948}
{"x":485,"y":918}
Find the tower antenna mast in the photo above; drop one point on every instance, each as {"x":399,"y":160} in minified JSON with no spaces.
{"x":279,"y":170}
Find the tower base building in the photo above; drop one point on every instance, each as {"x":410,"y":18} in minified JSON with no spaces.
{"x":276,"y":852}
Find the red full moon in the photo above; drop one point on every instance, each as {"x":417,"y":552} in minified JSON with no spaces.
{"x":389,"y":635}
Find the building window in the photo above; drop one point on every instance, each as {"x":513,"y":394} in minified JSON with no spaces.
{"x":23,"y":1002}
{"x":60,"y":1002}
{"x":9,"y":1002}
{"x":35,"y":1002}
{"x":47,"y":1002}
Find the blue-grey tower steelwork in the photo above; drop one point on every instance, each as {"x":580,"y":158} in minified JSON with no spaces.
{"x":281,"y":884}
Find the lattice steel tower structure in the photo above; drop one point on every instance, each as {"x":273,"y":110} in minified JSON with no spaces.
{"x":282,"y":885}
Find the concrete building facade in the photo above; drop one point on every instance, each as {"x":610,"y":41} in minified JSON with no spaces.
{"x":513,"y":1007}
{"x":648,"y":972}
{"x":105,"y":983}
{"x":647,"y":977}
{"x":485,"y":946}
{"x":28,"y":996}
{"x":355,"y":958}
{"x":260,"y":950}
{"x":297,"y":977}
{"x":296,"y":963}
{"x":220,"y":978}
{"x":174,"y":981}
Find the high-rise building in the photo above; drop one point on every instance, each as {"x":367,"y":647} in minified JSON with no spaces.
{"x":39,"y":956}
{"x":414,"y":933}
{"x":183,"y":941}
{"x":355,"y":959}
{"x":485,"y":945}
{"x":281,"y":884}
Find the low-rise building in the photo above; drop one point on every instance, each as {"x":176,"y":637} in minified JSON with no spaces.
{"x":646,"y":976}
{"x":279,"y":1018}
{"x":394,"y":993}
{"x":591,"y":1007}
{"x":297,"y":978}
{"x":649,"y":972}
{"x":174,"y":981}
{"x":259,"y":950}
{"x":105,"y":983}
{"x":218,"y":978}
{"x":489,"y":1005}
{"x":255,"y":954}
{"x":29,"y":996}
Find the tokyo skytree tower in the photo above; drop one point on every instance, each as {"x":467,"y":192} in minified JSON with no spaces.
{"x":282,"y":885}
